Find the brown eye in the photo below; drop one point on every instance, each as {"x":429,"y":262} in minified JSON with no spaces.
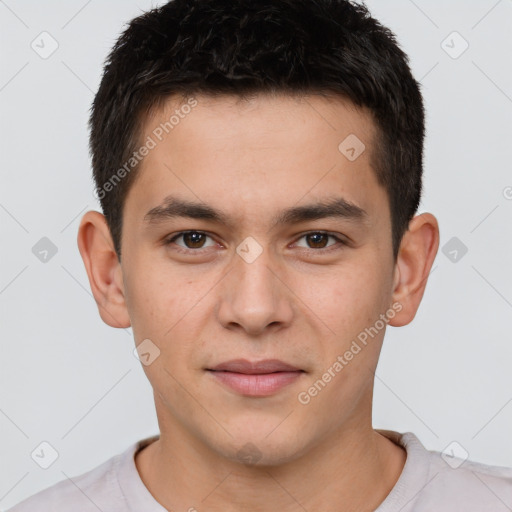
{"x":194,"y":240}
{"x":191,"y":240}
{"x":317,"y":240}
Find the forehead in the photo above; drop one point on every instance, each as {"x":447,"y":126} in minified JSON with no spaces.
{"x":262,"y":153}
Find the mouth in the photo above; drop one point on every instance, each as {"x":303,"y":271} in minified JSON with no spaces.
{"x":256,"y":379}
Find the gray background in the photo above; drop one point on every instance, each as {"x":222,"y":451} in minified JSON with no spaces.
{"x":72,"y":381}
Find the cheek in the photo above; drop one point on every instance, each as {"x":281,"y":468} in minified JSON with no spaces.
{"x":154,"y":299}
{"x":169,"y":308}
{"x":346,"y":298}
{"x":349,"y":304}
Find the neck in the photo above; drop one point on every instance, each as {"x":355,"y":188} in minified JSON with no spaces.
{"x":353,"y":469}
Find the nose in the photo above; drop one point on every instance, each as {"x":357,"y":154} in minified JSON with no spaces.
{"x":254,"y":298}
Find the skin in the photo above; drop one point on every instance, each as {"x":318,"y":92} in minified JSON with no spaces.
{"x":297,"y":302}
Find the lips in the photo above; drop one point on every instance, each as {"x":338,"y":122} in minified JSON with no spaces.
{"x":253,"y":368}
{"x":255,"y":379}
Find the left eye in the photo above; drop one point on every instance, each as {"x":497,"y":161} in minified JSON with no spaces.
{"x":192,"y":240}
{"x":318,"y":240}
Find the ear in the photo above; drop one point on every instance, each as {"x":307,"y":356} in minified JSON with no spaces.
{"x":103,"y":268}
{"x":416,"y":255}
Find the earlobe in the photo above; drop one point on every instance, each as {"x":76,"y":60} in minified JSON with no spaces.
{"x":103,"y":269}
{"x":415,"y":258}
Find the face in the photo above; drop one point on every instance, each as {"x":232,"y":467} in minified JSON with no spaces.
{"x":252,"y":241}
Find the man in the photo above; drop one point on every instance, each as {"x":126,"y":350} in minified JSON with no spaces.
{"x":259,"y":168}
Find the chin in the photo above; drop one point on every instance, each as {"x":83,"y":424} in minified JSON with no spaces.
{"x":257,"y":452}
{"x":263,"y":439}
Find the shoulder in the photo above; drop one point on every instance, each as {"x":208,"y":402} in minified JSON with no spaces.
{"x":97,"y":489}
{"x":471,"y":484}
{"x":458,"y":483}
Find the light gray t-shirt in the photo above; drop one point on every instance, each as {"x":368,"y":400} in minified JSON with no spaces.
{"x":429,"y":482}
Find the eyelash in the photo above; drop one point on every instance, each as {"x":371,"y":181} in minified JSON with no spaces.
{"x":173,"y":238}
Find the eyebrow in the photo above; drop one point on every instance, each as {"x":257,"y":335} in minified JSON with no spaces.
{"x":338,"y":207}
